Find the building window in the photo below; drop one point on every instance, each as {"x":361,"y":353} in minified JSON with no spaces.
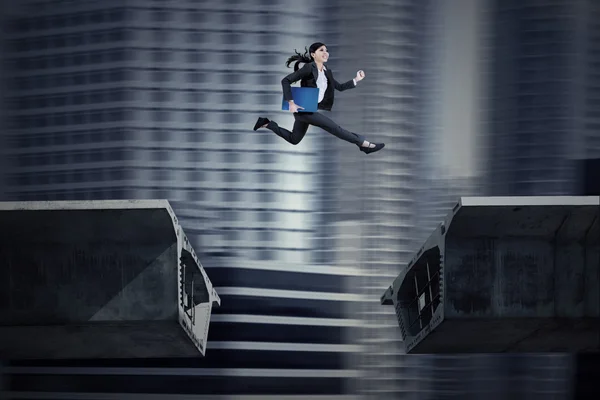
{"x":266,"y":197}
{"x":116,"y":55}
{"x":265,"y":254}
{"x":117,"y":75}
{"x":233,"y":38}
{"x":265,"y":236}
{"x":58,"y":61}
{"x":160,"y":95}
{"x":195,"y":137}
{"x":195,"y":176}
{"x":232,"y":176}
{"x":266,"y":216}
{"x":230,"y":196}
{"x":229,"y":215}
{"x":160,"y":155}
{"x":195,"y":97}
{"x":161,"y":116}
{"x":233,"y":98}
{"x":195,"y":37}
{"x":96,"y":116}
{"x":195,"y":56}
{"x":231,"y":157}
{"x":161,"y":56}
{"x":195,"y":77}
{"x":96,"y":77}
{"x":196,"y":116}
{"x":267,"y":158}
{"x":232,"y":235}
{"x":161,"y":16}
{"x":195,"y":17}
{"x":230,"y":138}
{"x":267,"y":177}
{"x":195,"y":195}
{"x":160,"y":136}
{"x":160,"y":76}
{"x":116,"y":95}
{"x":161,"y":174}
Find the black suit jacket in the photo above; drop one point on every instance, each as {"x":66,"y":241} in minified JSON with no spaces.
{"x":307,"y":75}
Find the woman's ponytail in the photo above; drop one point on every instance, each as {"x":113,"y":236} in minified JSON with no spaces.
{"x":299,"y":58}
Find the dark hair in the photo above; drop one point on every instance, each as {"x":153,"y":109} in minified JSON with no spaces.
{"x":303,"y":58}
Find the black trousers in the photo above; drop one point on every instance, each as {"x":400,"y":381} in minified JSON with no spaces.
{"x":305,"y":119}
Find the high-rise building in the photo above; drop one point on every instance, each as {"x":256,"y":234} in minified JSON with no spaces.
{"x":4,"y":21}
{"x":377,"y":192}
{"x":520,"y":67}
{"x":542,"y":95}
{"x":157,"y":99}
{"x":142,"y":99}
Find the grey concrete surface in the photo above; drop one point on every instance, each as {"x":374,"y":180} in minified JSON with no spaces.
{"x":517,"y":275}
{"x":99,"y":279}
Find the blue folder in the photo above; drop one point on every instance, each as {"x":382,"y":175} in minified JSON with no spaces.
{"x":306,"y":97}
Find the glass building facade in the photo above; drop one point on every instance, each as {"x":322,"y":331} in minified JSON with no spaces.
{"x":156,"y":99}
{"x":541,"y":107}
{"x":377,"y":194}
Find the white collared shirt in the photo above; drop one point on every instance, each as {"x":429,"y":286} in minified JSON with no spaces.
{"x":321,"y":83}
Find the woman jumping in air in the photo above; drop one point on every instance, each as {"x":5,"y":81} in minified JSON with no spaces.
{"x":315,"y":74}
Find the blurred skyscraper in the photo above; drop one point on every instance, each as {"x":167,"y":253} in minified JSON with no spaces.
{"x":377,"y":192}
{"x":156,"y":99}
{"x":542,"y":95}
{"x":512,"y":66}
{"x":143,"y":99}
{"x":4,"y":20}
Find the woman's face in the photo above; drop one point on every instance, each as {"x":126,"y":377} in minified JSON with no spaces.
{"x":321,"y":55}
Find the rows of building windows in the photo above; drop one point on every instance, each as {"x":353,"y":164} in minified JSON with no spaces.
{"x":70,"y":20}
{"x":160,"y":174}
{"x":155,"y":114}
{"x":190,"y":36}
{"x":114,"y":175}
{"x":77,"y":137}
{"x":152,"y":54}
{"x":157,"y":55}
{"x":95,"y":76}
{"x":224,"y":16}
{"x":75,"y":39}
{"x":180,"y":76}
{"x":152,"y":94}
{"x":62,"y":138}
{"x":71,"y":157}
{"x":71,"y":118}
{"x":68,"y":60}
{"x":75,"y":156}
{"x":261,"y":156}
{"x":115,"y":193}
{"x":69,"y":99}
{"x":74,"y":176}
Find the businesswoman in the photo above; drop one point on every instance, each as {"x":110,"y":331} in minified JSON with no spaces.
{"x":315,"y":74}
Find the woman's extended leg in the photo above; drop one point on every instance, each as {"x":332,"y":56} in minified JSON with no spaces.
{"x":293,"y":137}
{"x":326,"y":123}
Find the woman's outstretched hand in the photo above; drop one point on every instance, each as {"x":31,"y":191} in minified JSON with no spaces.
{"x":360,"y":75}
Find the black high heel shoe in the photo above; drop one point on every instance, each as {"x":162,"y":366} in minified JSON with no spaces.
{"x":260,"y":122}
{"x":368,"y":150}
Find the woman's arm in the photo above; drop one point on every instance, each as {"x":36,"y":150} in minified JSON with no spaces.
{"x":350,"y":84}
{"x":344,"y":86}
{"x":286,"y":83}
